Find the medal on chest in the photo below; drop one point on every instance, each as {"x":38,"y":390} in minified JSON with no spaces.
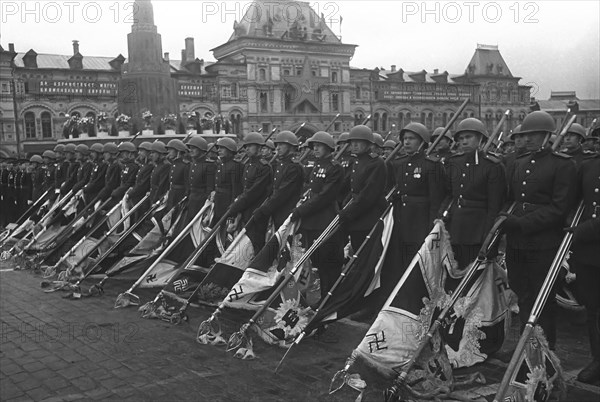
{"x":417,"y":173}
{"x":321,"y":173}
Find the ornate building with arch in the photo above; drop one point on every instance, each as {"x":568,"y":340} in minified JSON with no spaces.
{"x":282,"y":66}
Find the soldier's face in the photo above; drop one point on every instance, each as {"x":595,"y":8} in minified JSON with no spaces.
{"x":443,"y":145}
{"x":172,"y":154}
{"x":155,"y":156}
{"x":572,"y":141}
{"x":321,"y":150}
{"x":283,"y":149}
{"x":411,"y":142}
{"x":252,"y":150}
{"x":469,"y":141}
{"x":195,"y":152}
{"x":360,"y":147}
{"x":266,"y":152}
{"x":107,"y":156}
{"x":534,"y":141}
{"x":589,"y":145}
{"x":68,"y":156}
{"x":143,"y":153}
{"x":519,"y":142}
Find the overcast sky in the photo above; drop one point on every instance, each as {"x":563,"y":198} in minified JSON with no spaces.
{"x":552,"y":45}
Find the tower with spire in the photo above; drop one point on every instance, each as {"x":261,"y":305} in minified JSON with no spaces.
{"x":146,"y":82}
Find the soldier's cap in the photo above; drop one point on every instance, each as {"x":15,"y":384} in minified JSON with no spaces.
{"x":270,"y":144}
{"x":82,"y":149}
{"x":70,"y":148}
{"x":49,"y":154}
{"x":110,"y":147}
{"x":389,"y":144}
{"x":127,"y":146}
{"x":97,"y":147}
{"x":36,"y":159}
{"x":440,"y":130}
{"x":146,"y":145}
{"x":227,"y":143}
{"x":159,"y":147}
{"x":59,"y":148}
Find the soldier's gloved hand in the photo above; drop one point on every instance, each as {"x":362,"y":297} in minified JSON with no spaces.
{"x":29,"y":202}
{"x":511,"y":224}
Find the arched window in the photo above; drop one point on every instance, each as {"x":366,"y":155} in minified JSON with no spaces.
{"x":358,"y":92}
{"x":334,"y":77}
{"x":91,"y":129}
{"x":376,"y":122}
{"x":262,"y":74}
{"x":236,"y":123}
{"x":358,"y":118}
{"x":401,"y":121}
{"x":46,"y":125}
{"x":384,"y":118}
{"x":30,"y":125}
{"x":335,"y":102}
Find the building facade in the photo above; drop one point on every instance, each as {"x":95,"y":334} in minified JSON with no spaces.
{"x":281,"y":67}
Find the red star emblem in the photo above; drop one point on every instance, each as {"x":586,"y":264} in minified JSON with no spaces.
{"x":306,"y":86}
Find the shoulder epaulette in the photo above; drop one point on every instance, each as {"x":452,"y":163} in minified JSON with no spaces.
{"x":493,"y":158}
{"x":562,"y":155}
{"x":433,"y":158}
{"x":373,"y":155}
{"x":456,"y":154}
{"x":523,"y":154}
{"x":590,"y":155}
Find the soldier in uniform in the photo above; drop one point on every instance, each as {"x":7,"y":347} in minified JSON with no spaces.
{"x":377,"y":146}
{"x":320,"y":209}
{"x":442,"y":149}
{"x":541,"y":184}
{"x":37,"y":177}
{"x":267,"y":151}
{"x":159,"y":180}
{"x":201,"y":181}
{"x":518,"y":148}
{"x":572,"y":142}
{"x":112,"y":175}
{"x":228,"y":178}
{"x":287,"y":182}
{"x":61,"y":168}
{"x":256,"y":182}
{"x":180,"y":170}
{"x":585,"y":258}
{"x":11,"y":193}
{"x":49,"y":168}
{"x":129,"y":169}
{"x":420,"y":190}
{"x":3,"y":189}
{"x":388,"y":148}
{"x":346,"y":160}
{"x":96,"y":181}
{"x":367,"y":187}
{"x":476,"y":186}
{"x":84,"y":168}
{"x":72,"y":168}
{"x":142,"y":179}
{"x":26,"y":188}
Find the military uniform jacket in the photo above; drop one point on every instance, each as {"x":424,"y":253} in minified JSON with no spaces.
{"x":3,"y":183}
{"x":128,"y":174}
{"x":70,"y":178}
{"x":256,"y":183}
{"x":228,"y":184}
{"x":577,"y":155}
{"x":325,"y":182}
{"x":159,"y":181}
{"x":112,"y":179}
{"x":178,"y":179}
{"x":37,"y":183}
{"x":477,"y":185}
{"x":49,"y":177}
{"x":543,"y":186}
{"x":60,"y":174}
{"x":11,"y":191}
{"x":84,"y":172}
{"x":346,"y":160}
{"x":142,"y":182}
{"x":420,"y":184}
{"x":287,"y":189}
{"x":201,"y":182}
{"x":367,"y":188}
{"x":25,"y":186}
{"x":586,"y":248}
{"x":97,"y":180}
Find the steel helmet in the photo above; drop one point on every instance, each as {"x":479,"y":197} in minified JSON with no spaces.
{"x":323,"y":138}
{"x":146,"y":145}
{"x":82,"y":149}
{"x":578,"y":129}
{"x":538,"y":121}
{"x":70,"y":148}
{"x":471,"y":124}
{"x":378,"y":140}
{"x":343,"y":138}
{"x":227,"y":143}
{"x":49,"y":154}
{"x":515,"y":131}
{"x":254,"y":138}
{"x":110,"y":147}
{"x":286,"y":137}
{"x":59,"y":148}
{"x":177,"y":145}
{"x":97,"y":147}
{"x":127,"y":147}
{"x":36,"y":159}
{"x":389,"y":144}
{"x":270,"y":144}
{"x":198,"y":142}
{"x":361,"y":132}
{"x":440,"y":130}
{"x":159,"y":147}
{"x":418,"y":129}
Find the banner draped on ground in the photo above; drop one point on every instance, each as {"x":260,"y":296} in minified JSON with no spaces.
{"x":407,"y":314}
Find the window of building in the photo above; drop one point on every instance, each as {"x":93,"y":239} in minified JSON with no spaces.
{"x":286,"y":71}
{"x":358,"y":118}
{"x":358,"y":92}
{"x":376,"y":122}
{"x":264,"y":102}
{"x":335,"y":102}
{"x":287,"y":101}
{"x":298,"y":71}
{"x":234,"y":91}
{"x":266,"y":128}
{"x":30,"y":125}
{"x":236,"y":123}
{"x":337,"y":126}
{"x":46,"y":125}
{"x":384,"y":118}
{"x":262,"y":74}
{"x":334,"y":76}
{"x":26,"y":87}
{"x":314,"y":73}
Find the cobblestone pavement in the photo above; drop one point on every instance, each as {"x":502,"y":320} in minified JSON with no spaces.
{"x":58,"y":349}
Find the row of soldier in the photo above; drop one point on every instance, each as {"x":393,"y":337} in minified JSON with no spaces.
{"x":470,"y":186}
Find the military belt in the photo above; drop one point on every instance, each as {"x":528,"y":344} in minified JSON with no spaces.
{"x":414,"y":199}
{"x":464,"y":203}
{"x":178,"y":187}
{"x":529,"y":207}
